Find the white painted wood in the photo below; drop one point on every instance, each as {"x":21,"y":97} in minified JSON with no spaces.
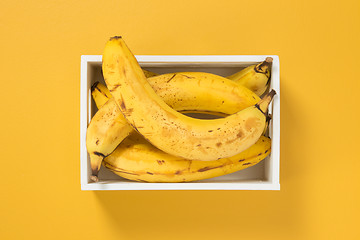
{"x":263,"y":176}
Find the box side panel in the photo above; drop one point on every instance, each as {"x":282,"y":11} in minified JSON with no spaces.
{"x":263,"y":172}
{"x":247,"y":185}
{"x":274,"y":170}
{"x":83,"y":120}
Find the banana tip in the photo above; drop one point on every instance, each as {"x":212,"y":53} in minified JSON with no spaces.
{"x":94,"y":86}
{"x":115,"y":37}
{"x":272,"y":93}
{"x":94,"y":178}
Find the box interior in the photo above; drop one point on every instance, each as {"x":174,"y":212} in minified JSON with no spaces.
{"x":259,"y":172}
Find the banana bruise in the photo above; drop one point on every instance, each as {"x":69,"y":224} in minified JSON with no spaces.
{"x":255,"y":77}
{"x":136,"y":159}
{"x":169,"y":130}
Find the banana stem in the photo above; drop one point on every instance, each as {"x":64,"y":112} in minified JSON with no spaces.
{"x":264,"y":66}
{"x":263,"y":104}
{"x":94,"y":178}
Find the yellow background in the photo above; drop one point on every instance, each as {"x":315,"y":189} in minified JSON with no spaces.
{"x":318,"y":45}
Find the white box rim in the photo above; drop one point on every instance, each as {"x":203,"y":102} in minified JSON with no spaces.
{"x":273,"y":184}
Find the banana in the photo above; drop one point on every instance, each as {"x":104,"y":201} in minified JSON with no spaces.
{"x":101,"y":97}
{"x":169,"y":130}
{"x":135,"y":151}
{"x":106,"y":130}
{"x":108,"y":127}
{"x":148,"y":73}
{"x":178,"y":84}
{"x":196,"y":91}
{"x":100,"y":94}
{"x":138,"y":160}
{"x":255,"y":77}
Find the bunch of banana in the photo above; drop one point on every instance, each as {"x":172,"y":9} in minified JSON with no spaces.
{"x":207,"y":148}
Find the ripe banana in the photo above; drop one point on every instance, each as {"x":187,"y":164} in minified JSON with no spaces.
{"x":108,"y":127}
{"x":101,"y":94}
{"x":169,"y":130}
{"x":207,"y":90}
{"x":101,"y":97}
{"x":255,"y":77}
{"x":148,"y":73}
{"x":105,"y":131}
{"x":138,"y":160}
{"x":136,"y":156}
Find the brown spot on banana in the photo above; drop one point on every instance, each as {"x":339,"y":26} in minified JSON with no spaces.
{"x":190,"y":163}
{"x":171,"y":78}
{"x":122,"y":104}
{"x":251,"y":123}
{"x":119,"y":170}
{"x":99,"y":154}
{"x":248,"y":163}
{"x":128,"y":112}
{"x":218,"y":144}
{"x":186,"y":76}
{"x":115,"y":87}
{"x":240,"y":134}
{"x":209,"y":168}
{"x":160,"y":162}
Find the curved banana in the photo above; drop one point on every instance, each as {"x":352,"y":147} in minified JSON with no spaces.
{"x":207,"y":92}
{"x":169,"y":130}
{"x":138,"y":160}
{"x":106,"y":130}
{"x":255,"y":77}
{"x":109,"y":128}
{"x":101,"y":97}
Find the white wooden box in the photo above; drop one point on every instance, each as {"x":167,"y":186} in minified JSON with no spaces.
{"x":263,"y":176}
